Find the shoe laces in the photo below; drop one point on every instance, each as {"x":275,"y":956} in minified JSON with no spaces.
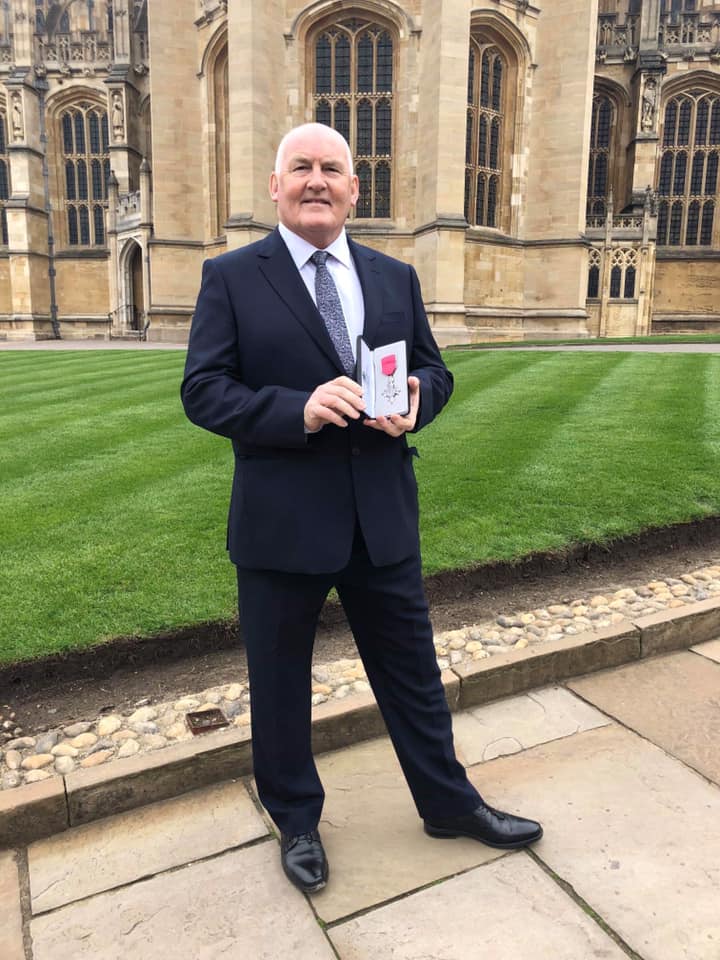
{"x":498,"y":813}
{"x":293,"y":841}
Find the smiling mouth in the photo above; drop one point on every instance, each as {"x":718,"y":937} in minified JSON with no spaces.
{"x":325,"y":203}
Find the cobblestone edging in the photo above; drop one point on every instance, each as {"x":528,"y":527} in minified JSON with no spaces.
{"x":149,"y":727}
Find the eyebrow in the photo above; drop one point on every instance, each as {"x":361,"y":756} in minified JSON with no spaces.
{"x":302,"y":158}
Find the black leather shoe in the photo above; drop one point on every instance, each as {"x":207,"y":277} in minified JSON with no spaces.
{"x":304,"y":862}
{"x":493,"y":827}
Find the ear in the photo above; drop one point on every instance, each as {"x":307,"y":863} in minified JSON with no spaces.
{"x":274,"y":187}
{"x":354,"y":190}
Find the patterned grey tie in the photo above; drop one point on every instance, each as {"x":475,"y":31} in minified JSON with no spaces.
{"x":328,"y":303}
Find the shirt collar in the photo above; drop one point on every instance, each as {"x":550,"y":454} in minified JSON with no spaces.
{"x":301,"y":250}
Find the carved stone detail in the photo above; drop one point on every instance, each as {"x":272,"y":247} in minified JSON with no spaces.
{"x":648,"y":105}
{"x":118,"y":116}
{"x":18,"y":124}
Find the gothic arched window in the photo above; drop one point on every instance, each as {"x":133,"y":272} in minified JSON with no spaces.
{"x":623,"y":273}
{"x":687,"y":182}
{"x":4,"y":180}
{"x":86,"y":168}
{"x":601,"y":131}
{"x":353,"y":93}
{"x":484,"y":133}
{"x":594,"y":274}
{"x":222,"y":140}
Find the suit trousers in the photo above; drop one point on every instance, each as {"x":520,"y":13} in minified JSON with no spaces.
{"x":388,"y":614}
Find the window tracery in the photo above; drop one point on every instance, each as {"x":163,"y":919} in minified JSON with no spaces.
{"x":623,"y":272}
{"x":601,"y":133}
{"x":687,"y":182}
{"x":624,"y":263}
{"x":353,"y":93}
{"x":4,"y":179}
{"x":484,"y":133}
{"x":222,"y":140}
{"x":594,"y":263}
{"x":86,"y":168}
{"x":48,"y":16}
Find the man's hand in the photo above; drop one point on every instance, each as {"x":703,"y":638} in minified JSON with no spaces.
{"x":395,"y":425}
{"x":333,"y":401}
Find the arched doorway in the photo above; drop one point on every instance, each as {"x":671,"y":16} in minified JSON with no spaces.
{"x":132,"y":305}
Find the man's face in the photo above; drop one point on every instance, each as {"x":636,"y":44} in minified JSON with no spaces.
{"x":314,"y":189}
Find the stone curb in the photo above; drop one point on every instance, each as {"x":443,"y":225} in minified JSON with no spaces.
{"x":505,"y":674}
{"x":34,"y":811}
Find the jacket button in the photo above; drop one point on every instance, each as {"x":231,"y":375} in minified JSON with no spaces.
{"x":355,"y":451}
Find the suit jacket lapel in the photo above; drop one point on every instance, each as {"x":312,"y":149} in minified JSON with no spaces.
{"x":370,"y":281}
{"x":278,"y":267}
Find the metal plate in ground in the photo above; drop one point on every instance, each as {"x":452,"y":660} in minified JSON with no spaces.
{"x":202,"y":721}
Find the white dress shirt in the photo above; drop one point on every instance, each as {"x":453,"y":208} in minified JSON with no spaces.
{"x":341,"y":268}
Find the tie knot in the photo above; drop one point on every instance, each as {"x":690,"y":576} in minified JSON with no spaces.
{"x":319,"y":257}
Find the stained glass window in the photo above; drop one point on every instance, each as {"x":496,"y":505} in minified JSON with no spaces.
{"x":87,"y":167}
{"x":484,"y":134}
{"x":601,"y":135}
{"x":4,"y":182}
{"x":354,"y":94}
{"x":629,"y":285}
{"x":594,"y":282}
{"x":688,"y":169}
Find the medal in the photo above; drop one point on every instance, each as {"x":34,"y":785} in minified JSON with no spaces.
{"x":388,"y":366}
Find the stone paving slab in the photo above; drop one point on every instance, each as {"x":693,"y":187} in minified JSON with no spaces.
{"x":711,"y":650}
{"x":673,"y":701}
{"x":508,"y":726}
{"x":236,"y":905}
{"x":633,"y":831}
{"x":123,"y":848}
{"x":145,"y":778}
{"x":506,"y":910}
{"x":11,"y":939}
{"x":373,"y":836}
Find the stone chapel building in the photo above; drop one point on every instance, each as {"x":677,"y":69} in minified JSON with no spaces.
{"x":549,"y":166}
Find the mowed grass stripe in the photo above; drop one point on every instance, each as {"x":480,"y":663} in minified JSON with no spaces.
{"x":711,"y":408}
{"x":649,"y":438}
{"x":117,"y":587}
{"x":86,"y":486}
{"x":57,"y":445}
{"x":124,"y":533}
{"x":37,"y":367}
{"x":512,"y":424}
{"x":53,"y":392}
{"x":603,"y":475}
{"x":117,"y":461}
{"x":512,"y":419}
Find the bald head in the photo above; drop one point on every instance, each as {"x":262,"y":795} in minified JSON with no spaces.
{"x":310,"y":129}
{"x":313,"y":184}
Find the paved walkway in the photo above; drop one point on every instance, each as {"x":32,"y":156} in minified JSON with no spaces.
{"x":629,"y":347}
{"x":622,"y":767}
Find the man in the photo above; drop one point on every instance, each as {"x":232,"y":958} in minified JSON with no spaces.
{"x":323,"y":496}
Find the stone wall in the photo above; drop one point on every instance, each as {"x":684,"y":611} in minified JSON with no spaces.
{"x":527,"y":276}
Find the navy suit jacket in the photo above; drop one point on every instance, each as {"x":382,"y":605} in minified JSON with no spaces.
{"x":258,"y":348}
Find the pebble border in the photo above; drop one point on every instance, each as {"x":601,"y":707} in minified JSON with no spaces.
{"x":149,"y":727}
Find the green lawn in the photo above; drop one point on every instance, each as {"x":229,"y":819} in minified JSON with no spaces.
{"x":113,"y":506}
{"x":586,"y":341}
